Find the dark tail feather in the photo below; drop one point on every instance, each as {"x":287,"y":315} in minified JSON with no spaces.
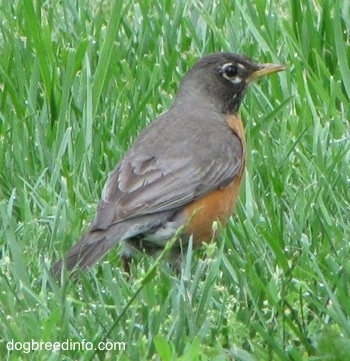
{"x":90,"y":248}
{"x":94,"y":244}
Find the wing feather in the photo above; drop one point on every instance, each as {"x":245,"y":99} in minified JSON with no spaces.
{"x":153,"y":179}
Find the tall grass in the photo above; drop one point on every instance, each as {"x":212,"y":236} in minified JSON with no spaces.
{"x":78,"y":81}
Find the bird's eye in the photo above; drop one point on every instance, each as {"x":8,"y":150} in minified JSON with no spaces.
{"x":230,"y":71}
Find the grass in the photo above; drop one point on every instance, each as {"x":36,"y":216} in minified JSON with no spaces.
{"x":78,"y":83}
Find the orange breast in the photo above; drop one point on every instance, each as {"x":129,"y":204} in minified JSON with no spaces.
{"x":218,"y":205}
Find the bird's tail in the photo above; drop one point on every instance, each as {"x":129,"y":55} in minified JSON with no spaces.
{"x":96,"y":243}
{"x":83,"y":255}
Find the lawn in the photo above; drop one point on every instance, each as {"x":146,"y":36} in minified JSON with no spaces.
{"x":78,"y":81}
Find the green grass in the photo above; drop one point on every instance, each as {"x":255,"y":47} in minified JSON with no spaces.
{"x":78,"y":83}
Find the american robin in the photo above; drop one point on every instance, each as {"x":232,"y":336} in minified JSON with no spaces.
{"x":184,"y":170}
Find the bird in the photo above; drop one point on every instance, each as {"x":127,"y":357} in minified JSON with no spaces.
{"x":183,"y":171}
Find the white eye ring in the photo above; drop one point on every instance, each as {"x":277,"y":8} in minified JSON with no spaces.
{"x":229,"y":72}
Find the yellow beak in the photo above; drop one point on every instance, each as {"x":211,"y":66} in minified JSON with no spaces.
{"x":266,"y":69}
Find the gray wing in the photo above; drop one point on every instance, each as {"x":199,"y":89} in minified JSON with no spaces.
{"x":165,"y":170}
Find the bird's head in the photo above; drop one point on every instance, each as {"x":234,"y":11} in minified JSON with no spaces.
{"x":220,"y":80}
